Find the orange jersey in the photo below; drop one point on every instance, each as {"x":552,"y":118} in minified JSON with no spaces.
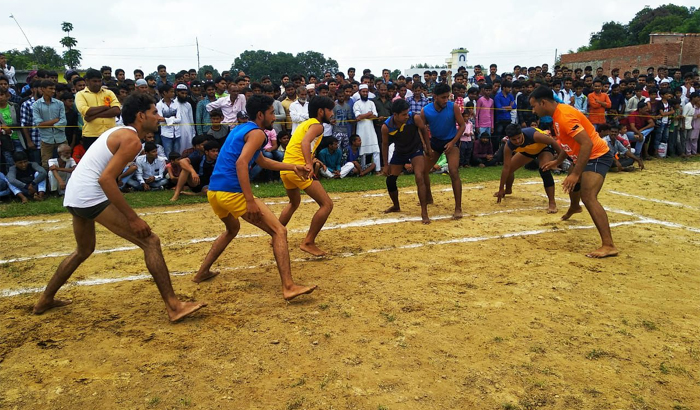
{"x":568,"y":122}
{"x":596,"y":111}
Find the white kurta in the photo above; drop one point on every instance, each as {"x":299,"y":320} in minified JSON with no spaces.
{"x":365,"y":128}
{"x":186,"y":125}
{"x":298,"y":113}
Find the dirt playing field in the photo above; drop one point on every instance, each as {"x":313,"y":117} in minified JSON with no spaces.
{"x":500,"y":310}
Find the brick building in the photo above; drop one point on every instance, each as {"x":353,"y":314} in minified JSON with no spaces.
{"x":670,"y":50}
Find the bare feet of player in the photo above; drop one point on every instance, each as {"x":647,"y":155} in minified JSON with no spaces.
{"x":202,"y":276}
{"x":312,"y":249}
{"x":429,"y":199}
{"x":175,"y":198}
{"x":297,"y":290}
{"x":44,"y":305}
{"x":552,"y":208}
{"x":426,"y":220}
{"x":458,"y":214}
{"x":393,"y":209}
{"x":183,"y":310}
{"x":572,"y":210}
{"x":603,"y":252}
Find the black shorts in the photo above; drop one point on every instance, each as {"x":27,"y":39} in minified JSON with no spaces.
{"x":405,"y":159}
{"x":600,"y":165}
{"x":548,"y":148}
{"x":439,"y":145}
{"x":89,"y":213}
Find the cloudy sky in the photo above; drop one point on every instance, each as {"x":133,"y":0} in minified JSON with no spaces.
{"x":133,"y":34}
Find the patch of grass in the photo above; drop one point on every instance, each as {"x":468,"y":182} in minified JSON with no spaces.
{"x":184,"y":402}
{"x":328,"y":378}
{"x":680,"y":407}
{"x":624,"y":332}
{"x":346,"y":314}
{"x":153,"y":401}
{"x":54,"y":205}
{"x":537,"y":349}
{"x":323,"y":306}
{"x":295,"y":404}
{"x":509,"y":406}
{"x":388,"y":316}
{"x":592,"y":391}
{"x":300,"y":382}
{"x":382,"y":407}
{"x":498,"y":339}
{"x":596,"y":354}
{"x":649,"y":325}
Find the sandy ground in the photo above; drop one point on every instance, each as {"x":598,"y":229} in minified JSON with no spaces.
{"x":498,"y":310}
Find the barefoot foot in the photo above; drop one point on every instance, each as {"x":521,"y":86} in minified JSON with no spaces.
{"x":509,"y":191}
{"x":42,"y":306}
{"x":426,"y":220}
{"x":297,"y":290}
{"x":458,"y":214}
{"x":570,"y":212}
{"x":183,"y":310}
{"x":552,"y":208}
{"x":312,"y":249}
{"x":393,"y":209}
{"x":202,"y":276}
{"x":603,"y":252}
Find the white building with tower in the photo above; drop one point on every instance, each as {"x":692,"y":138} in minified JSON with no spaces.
{"x":458,"y":58}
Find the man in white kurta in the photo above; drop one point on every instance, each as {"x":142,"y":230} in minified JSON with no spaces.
{"x":299,"y":109}
{"x":186,"y":117}
{"x":365,"y":110}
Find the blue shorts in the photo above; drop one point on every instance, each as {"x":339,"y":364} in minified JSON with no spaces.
{"x":600,"y":165}
{"x":439,"y":145}
{"x":405,"y":159}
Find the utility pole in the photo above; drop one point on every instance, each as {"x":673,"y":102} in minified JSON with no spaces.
{"x":12,"y":16}
{"x":555,"y":56}
{"x":196,"y":40}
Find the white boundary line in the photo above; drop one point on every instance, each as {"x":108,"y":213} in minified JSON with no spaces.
{"x":354,"y":224}
{"x":467,"y":239}
{"x":382,"y":194}
{"x":694,"y":172}
{"x":658,"y":201}
{"x":28,"y":223}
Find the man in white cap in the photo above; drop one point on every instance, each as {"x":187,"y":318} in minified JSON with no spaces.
{"x":142,"y":86}
{"x":310,"y":91}
{"x":186,"y":116}
{"x":365,"y":111}
{"x":299,"y":109}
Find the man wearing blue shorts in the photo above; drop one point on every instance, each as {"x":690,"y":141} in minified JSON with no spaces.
{"x":446,"y":124}
{"x":409,"y":135}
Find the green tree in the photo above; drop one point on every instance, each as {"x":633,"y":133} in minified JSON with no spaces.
{"x":665,"y":18}
{"x":40,"y":57}
{"x":71,"y":57}
{"x":259,"y":63}
{"x":395,"y":74}
{"x":215,"y":72}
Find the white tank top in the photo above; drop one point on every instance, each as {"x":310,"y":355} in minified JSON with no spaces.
{"x":83,"y":189}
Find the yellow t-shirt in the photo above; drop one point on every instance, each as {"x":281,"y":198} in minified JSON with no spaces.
{"x":85,"y":100}
{"x":293,"y":154}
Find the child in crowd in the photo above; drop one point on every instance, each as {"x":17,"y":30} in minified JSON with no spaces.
{"x":329,"y":161}
{"x":484,"y":111}
{"x":283,"y":140}
{"x":483,"y":152}
{"x":579,"y":100}
{"x":675,"y":148}
{"x":26,"y":179}
{"x":356,"y":164}
{"x":172,"y":170}
{"x":218,"y":130}
{"x":466,"y":143}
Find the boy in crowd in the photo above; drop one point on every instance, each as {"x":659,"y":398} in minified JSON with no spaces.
{"x":483,"y":152}
{"x":196,"y":171}
{"x":60,"y":169}
{"x":343,"y":127}
{"x":27,"y":179}
{"x":664,"y":111}
{"x":579,"y":99}
{"x":356,"y":164}
{"x":484,"y":111}
{"x":624,"y":159}
{"x":217,"y":130}
{"x":466,"y":141}
{"x":150,"y":170}
{"x":330,"y":161}
{"x":231,"y":196}
{"x":300,"y":150}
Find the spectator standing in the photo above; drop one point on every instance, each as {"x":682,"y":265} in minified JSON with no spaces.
{"x":504,"y":104}
{"x":186,"y":112}
{"x":299,"y":109}
{"x":7,"y":70}
{"x":168,"y":110}
{"x":8,"y":136}
{"x":202,"y":118}
{"x":598,"y":102}
{"x":365,"y":111}
{"x":32,"y":140}
{"x":98,"y":106}
{"x":230,"y":105}
{"x":484,"y":111}
{"x":49,"y":115}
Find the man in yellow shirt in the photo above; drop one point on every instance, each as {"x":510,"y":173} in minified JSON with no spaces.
{"x":300,"y":151}
{"x":98,"y":106}
{"x":287,"y":102}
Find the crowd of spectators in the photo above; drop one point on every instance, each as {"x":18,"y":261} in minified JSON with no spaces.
{"x":46,"y":125}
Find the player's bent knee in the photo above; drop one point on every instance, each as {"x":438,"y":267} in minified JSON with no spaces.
{"x":547,"y":178}
{"x":279,"y":231}
{"x":391,"y":183}
{"x":577,"y":187}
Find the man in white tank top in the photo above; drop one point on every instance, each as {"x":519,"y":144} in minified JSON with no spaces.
{"x":92,"y":195}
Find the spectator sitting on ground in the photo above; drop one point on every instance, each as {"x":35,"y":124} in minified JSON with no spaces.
{"x":355,"y":164}
{"x":270,"y":149}
{"x":624,"y":159}
{"x":27,"y":179}
{"x":329,"y":161}
{"x":150,"y":170}
{"x":196,"y":171}
{"x":483,"y":152}
{"x":197,"y":145}
{"x":440,"y":166}
{"x":78,"y":151}
{"x":282,"y":139}
{"x":173,"y":169}
{"x":150,"y":137}
{"x":60,"y":169}
{"x":218,"y":130}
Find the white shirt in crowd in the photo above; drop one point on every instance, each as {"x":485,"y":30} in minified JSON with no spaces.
{"x":372,"y":96}
{"x":187,"y":125}
{"x":145,"y":169}
{"x":299,"y":113}
{"x":684,"y":95}
{"x":172,"y":116}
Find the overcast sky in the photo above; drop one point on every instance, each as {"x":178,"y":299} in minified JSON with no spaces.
{"x":133,"y":34}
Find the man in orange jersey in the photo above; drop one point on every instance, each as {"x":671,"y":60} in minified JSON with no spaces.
{"x":592,"y":159}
